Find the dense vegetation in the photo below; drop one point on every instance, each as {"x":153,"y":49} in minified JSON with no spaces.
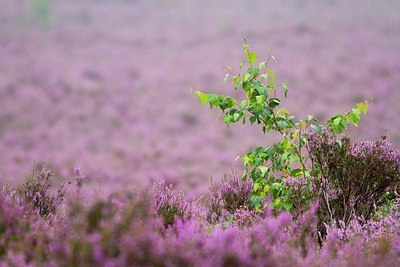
{"x":315,"y":198}
{"x":159,"y":227}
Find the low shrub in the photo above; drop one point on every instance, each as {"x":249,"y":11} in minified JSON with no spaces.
{"x":170,"y":203}
{"x":37,"y":191}
{"x":228,"y":196}
{"x":352,"y":179}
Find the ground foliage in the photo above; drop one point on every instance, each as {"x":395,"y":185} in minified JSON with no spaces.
{"x":136,"y":229}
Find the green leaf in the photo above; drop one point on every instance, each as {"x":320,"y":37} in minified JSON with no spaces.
{"x":246,"y":160}
{"x":253,"y":119}
{"x":246,"y":77}
{"x":296,"y":172}
{"x":285,"y":88}
{"x":283,"y":124}
{"x":276,"y":189}
{"x":255,"y":201}
{"x":202,"y":96}
{"x":244,"y":176}
{"x":363,"y":107}
{"x":337,"y":121}
{"x":354,"y":116}
{"x":260,"y":99}
{"x":235,"y":79}
{"x":274,"y":102}
{"x":263,"y":169}
{"x":236,"y":117}
{"x":266,"y":188}
{"x":252,"y":57}
{"x":253,"y":72}
{"x":287,"y":205}
{"x":256,"y":186}
{"x":228,"y":120}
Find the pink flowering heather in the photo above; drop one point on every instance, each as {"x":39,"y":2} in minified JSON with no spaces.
{"x":130,"y":232}
{"x":228,"y":196}
{"x":170,"y":203}
{"x":356,"y":178}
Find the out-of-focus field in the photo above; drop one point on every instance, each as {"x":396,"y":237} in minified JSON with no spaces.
{"x":105,"y":85}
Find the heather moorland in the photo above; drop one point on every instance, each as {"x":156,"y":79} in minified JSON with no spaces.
{"x":110,"y":155}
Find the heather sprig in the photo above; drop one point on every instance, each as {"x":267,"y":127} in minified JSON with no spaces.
{"x":170,"y":203}
{"x":37,"y":191}
{"x":228,"y":195}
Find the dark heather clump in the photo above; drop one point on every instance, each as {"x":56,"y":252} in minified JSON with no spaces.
{"x":37,"y":191}
{"x":170,"y":203}
{"x":229,"y":195}
{"x":353,"y":176}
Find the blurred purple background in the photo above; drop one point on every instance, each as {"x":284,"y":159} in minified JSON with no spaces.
{"x":105,"y":85}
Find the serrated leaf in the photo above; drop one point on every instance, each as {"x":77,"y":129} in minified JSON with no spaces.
{"x":363,"y":107}
{"x":235,"y":79}
{"x":202,"y":97}
{"x":252,"y":57}
{"x":236,"y":117}
{"x":256,"y":186}
{"x":336,"y":121}
{"x":228,"y":120}
{"x":246,"y":77}
{"x":260,"y":99}
{"x":354,"y":116}
{"x":253,"y":119}
{"x":263,"y":169}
